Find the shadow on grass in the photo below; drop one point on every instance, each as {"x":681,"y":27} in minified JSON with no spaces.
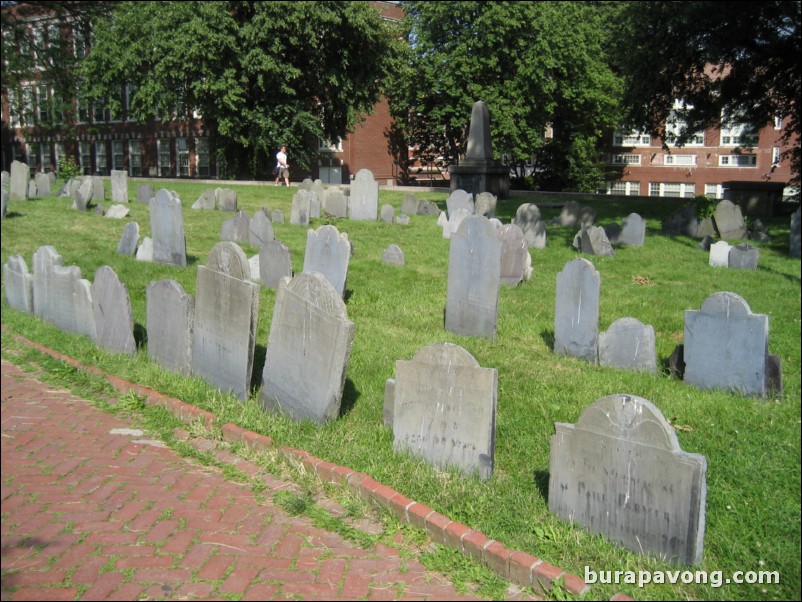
{"x":542,"y":483}
{"x":350,"y":395}
{"x":548,"y":338}
{"x":259,"y":355}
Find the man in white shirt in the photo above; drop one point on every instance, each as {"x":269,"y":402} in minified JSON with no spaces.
{"x":282,"y":167}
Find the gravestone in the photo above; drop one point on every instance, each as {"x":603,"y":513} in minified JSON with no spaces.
{"x":226,"y":199}
{"x":410,"y":203}
{"x":454,"y":221}
{"x":145,"y":250}
{"x":256,"y":270}
{"x":393,"y":255}
{"x":474,"y":278}
{"x":743,"y":257}
{"x":620,"y":472}
{"x":319,"y":190}
{"x":114,"y":319}
{"x":576,"y":315}
{"x":593,"y":241}
{"x":145,"y":192}
{"x":18,"y":283}
{"x":514,"y":252}
{"x":42,"y":184}
{"x":402,"y":220}
{"x":207,"y":200}
{"x":387,"y":214}
{"x":363,"y":204}
{"x":119,"y":186}
{"x":628,"y":344}
{"x":460,"y":199}
{"x":328,"y":252}
{"x":314,"y":205}
{"x":794,"y":246}
{"x":260,"y":230}
{"x":485,"y":204}
{"x":98,"y":189}
{"x":306,"y":184}
{"x":729,"y":221}
{"x":18,"y":181}
{"x":3,"y":203}
{"x":117,"y":212}
{"x":726,"y":346}
{"x":444,"y":409}
{"x":236,"y":228}
{"x":275,"y":263}
{"x":720,"y":254}
{"x":226,"y":311}
{"x":428,"y":208}
{"x":170,"y":317}
{"x":633,"y":231}
{"x":307,"y":350}
{"x":32,"y":190}
{"x":167,"y":229}
{"x":129,"y":239}
{"x":527,"y":218}
{"x":276,"y":216}
{"x":60,"y":295}
{"x":335,"y":204}
{"x":82,"y":195}
{"x":299,"y":214}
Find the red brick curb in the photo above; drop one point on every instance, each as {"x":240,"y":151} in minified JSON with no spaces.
{"x":515,"y":566}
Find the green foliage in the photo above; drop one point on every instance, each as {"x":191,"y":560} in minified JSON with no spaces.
{"x":705,"y":206}
{"x":68,"y":168}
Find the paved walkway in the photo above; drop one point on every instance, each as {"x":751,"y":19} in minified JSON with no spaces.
{"x":93,"y":510}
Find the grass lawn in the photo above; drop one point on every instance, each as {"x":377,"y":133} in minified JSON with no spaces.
{"x":752,"y":445}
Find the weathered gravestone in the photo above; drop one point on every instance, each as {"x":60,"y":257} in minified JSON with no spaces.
{"x":743,"y":257}
{"x":514,"y":254}
{"x":145,"y":192}
{"x":527,"y":218}
{"x":363,"y":204}
{"x":729,"y":221}
{"x":226,"y":311}
{"x":119,"y":186}
{"x":474,"y":278}
{"x":129,"y":239}
{"x":18,"y":284}
{"x":328,"y":252}
{"x":117,"y":212}
{"x":455,"y":219}
{"x":726,"y":346}
{"x":428,"y":208}
{"x":410,"y":203}
{"x":460,"y":199}
{"x":60,"y":295}
{"x":260,"y":230}
{"x":795,"y":243}
{"x":236,"y":228}
{"x":593,"y":241}
{"x":619,"y":471}
{"x":444,"y":409}
{"x":485,"y":204}
{"x":42,"y":184}
{"x":720,"y":254}
{"x":226,"y":199}
{"x":633,"y":231}
{"x":98,"y":189}
{"x":319,"y":190}
{"x":628,"y":344}
{"x":314,"y":205}
{"x":4,"y":201}
{"x":301,"y":207}
{"x":83,"y":194}
{"x":387,"y":214}
{"x":276,"y":216}
{"x":393,"y":255}
{"x":145,"y":250}
{"x":307,"y":350}
{"x":576,"y":314}
{"x":275,"y":263}
{"x":207,"y":200}
{"x":167,"y":229}
{"x":32,"y":190}
{"x":335,"y":203}
{"x":170,"y":317}
{"x":18,"y":181}
{"x":114,"y":319}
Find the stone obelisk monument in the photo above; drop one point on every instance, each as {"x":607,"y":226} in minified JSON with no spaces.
{"x":478,"y":171}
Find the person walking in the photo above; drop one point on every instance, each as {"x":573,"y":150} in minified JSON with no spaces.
{"x":282,"y":167}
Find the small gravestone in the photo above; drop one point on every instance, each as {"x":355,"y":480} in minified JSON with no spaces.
{"x":328,"y":252}
{"x":308,"y":349}
{"x":260,"y":230}
{"x":33,"y":192}
{"x":18,"y":181}
{"x":729,"y":221}
{"x":460,"y":199}
{"x":428,"y":208}
{"x":633,"y":231}
{"x":363,"y":204}
{"x":794,"y":249}
{"x":145,"y":192}
{"x":444,"y":409}
{"x":60,"y":295}
{"x":42,"y":184}
{"x":387,"y":214}
{"x":226,"y":311}
{"x":301,"y":206}
{"x":474,"y":278}
{"x":207,"y":200}
{"x":720,"y":254}
{"x":117,"y":212}
{"x":114,"y":319}
{"x":276,"y":216}
{"x":628,"y":344}
{"x":726,"y":346}
{"x":402,"y":220}
{"x":527,"y":218}
{"x":393,"y":255}
{"x":620,"y":472}
{"x":576,"y":315}
{"x":410,"y":203}
{"x":167,"y":229}
{"x":514,"y":252}
{"x":743,"y":257}
{"x":129,"y":239}
{"x":145,"y":250}
{"x":486,"y":204}
{"x":226,"y":199}
{"x":275,"y":263}
{"x":18,"y":284}
{"x":170,"y":317}
{"x":236,"y":228}
{"x":335,"y":203}
{"x":119,"y":186}
{"x":594,"y":241}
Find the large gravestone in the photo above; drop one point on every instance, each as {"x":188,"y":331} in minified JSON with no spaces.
{"x":167,"y":229}
{"x":60,"y":295}
{"x":170,"y":316}
{"x":236,"y":228}
{"x":114,"y":319}
{"x":129,"y":239}
{"x":795,"y":243}
{"x":119,"y":186}
{"x":226,"y":311}
{"x":275,"y":263}
{"x":479,"y":171}
{"x":726,"y":346}
{"x":460,"y":199}
{"x":18,"y":181}
{"x":576,"y":315}
{"x":18,"y":284}
{"x":444,"y":409}
{"x":633,"y":231}
{"x":328,"y":252}
{"x":363,"y":204}
{"x":307,"y":350}
{"x":619,"y":471}
{"x":474,"y":278}
{"x":514,"y":254}
{"x":335,"y":203}
{"x":260,"y":230}
{"x":527,"y":218}
{"x":729,"y":221}
{"x":628,"y":344}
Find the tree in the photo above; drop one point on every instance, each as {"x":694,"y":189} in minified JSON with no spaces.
{"x":260,"y":74}
{"x":537,"y":65}
{"x":726,"y":60}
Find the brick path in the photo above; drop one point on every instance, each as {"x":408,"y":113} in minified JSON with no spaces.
{"x":93,"y":511}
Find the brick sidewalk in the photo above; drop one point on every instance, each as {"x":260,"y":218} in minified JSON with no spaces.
{"x":92,"y":510}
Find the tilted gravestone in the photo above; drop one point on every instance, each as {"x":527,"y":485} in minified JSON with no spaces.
{"x":593,"y":241}
{"x":236,"y":228}
{"x":117,"y":212}
{"x":114,"y":319}
{"x":18,"y":284}
{"x":460,"y":199}
{"x":363,"y":204}
{"x":167,"y":229}
{"x":474,"y":278}
{"x":444,"y":409}
{"x":720,"y":254}
{"x":226,"y":311}
{"x":729,"y":221}
{"x":628,"y":344}
{"x":129,"y":239}
{"x":119,"y":186}
{"x":145,"y":192}
{"x":527,"y":218}
{"x":393,"y":255}
{"x":307,"y":350}
{"x":207,"y":200}
{"x":726,"y":346}
{"x":795,"y":243}
{"x":328,"y":252}
{"x":18,"y":181}
{"x":260,"y":229}
{"x":619,"y":471}
{"x":275,"y":263}
{"x":743,"y":257}
{"x":83,"y":194}
{"x":60,"y":295}
{"x":335,"y":203}
{"x":514,"y":253}
{"x":576,"y":314}
{"x":170,"y":317}
{"x":633,"y":231}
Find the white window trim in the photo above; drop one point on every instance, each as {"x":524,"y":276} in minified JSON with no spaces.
{"x":737,"y":160}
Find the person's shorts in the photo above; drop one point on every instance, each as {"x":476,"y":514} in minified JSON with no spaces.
{"x":283,"y":172}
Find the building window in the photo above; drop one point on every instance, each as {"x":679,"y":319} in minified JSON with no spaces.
{"x":134,"y":158}
{"x":182,"y":156}
{"x":776,"y":155}
{"x":631,"y":139}
{"x":671,"y":189}
{"x":622,"y":188}
{"x":625,"y":159}
{"x":676,"y":125}
{"x":713,"y":191}
{"x":45,"y":165}
{"x":683,"y":160}
{"x":738,"y":134}
{"x":117,"y":155}
{"x":330,"y":146}
{"x":202,"y":156}
{"x":101,"y":158}
{"x":164,"y":157}
{"x":28,"y":106}
{"x":778,"y":123}
{"x":86,"y":158}
{"x":737,"y":160}
{"x":61,"y":154}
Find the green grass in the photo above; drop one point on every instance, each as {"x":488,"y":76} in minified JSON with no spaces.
{"x":752,"y":446}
